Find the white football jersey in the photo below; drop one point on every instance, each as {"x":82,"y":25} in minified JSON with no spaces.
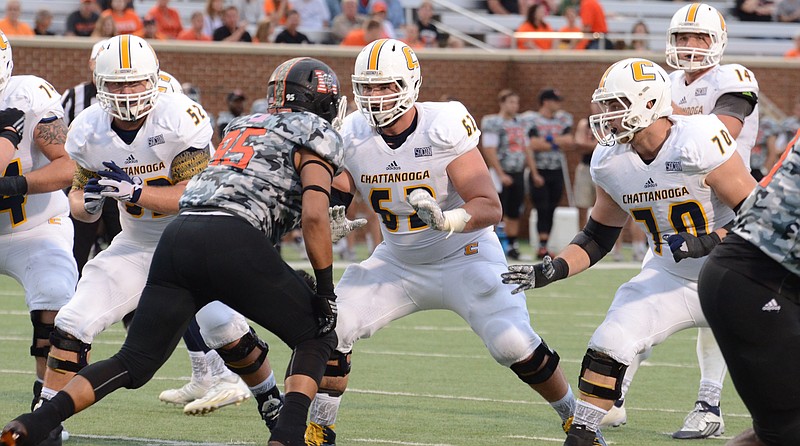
{"x":175,"y":124}
{"x":385,"y":177}
{"x":38,"y":99}
{"x":670,"y":195}
{"x":700,"y":96}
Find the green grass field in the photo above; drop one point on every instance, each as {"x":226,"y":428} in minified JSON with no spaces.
{"x":423,"y":380}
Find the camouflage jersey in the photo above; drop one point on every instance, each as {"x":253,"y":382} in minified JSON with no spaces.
{"x":509,"y":137}
{"x":540,"y":126}
{"x":770,"y":217}
{"x":252,"y":173}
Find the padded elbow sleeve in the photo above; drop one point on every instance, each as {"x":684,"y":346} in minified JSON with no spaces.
{"x":596,"y":239}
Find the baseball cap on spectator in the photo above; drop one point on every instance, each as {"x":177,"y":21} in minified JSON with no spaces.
{"x":236,"y":95}
{"x":548,"y":94}
{"x":379,"y":7}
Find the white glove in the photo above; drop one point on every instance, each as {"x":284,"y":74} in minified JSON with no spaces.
{"x":340,"y":225}
{"x":428,"y":210}
{"x":92,"y":198}
{"x":118,"y":184}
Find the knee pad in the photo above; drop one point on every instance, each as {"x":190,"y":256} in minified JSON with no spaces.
{"x":62,"y":340}
{"x":539,"y":367}
{"x":604,"y":365}
{"x":220,"y":325}
{"x":41,"y":332}
{"x":247,"y":343}
{"x":338,"y":364}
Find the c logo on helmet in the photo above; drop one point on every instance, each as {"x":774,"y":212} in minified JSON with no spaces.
{"x":638,"y":71}
{"x":411,"y":60}
{"x":3,"y":43}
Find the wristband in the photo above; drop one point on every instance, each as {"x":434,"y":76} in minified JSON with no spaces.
{"x":12,"y":186}
{"x":11,"y":136}
{"x":324,"y":278}
{"x":455,"y":220}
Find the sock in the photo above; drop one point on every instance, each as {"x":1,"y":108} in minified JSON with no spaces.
{"x":709,"y":392}
{"x":565,"y":407}
{"x":589,"y":415}
{"x":47,"y":417}
{"x":48,"y":393}
{"x":217,"y":366}
{"x":264,"y":387}
{"x":291,"y":428}
{"x":324,"y":409}
{"x":200,"y":371}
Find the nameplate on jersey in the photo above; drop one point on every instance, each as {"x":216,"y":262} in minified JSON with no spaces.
{"x":422,"y":151}
{"x":700,"y":91}
{"x":155,"y":140}
{"x":674,"y":166}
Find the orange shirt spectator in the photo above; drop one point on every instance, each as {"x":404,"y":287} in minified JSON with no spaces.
{"x":372,"y":30}
{"x":593,"y":17}
{"x":794,"y":52}
{"x":272,"y":7}
{"x":11,"y":25}
{"x":195,"y":32}
{"x":167,"y":19}
{"x":127,"y":21}
{"x":571,"y":27}
{"x":534,"y":22}
{"x":150,"y":30}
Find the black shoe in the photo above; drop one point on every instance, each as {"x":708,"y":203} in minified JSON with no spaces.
{"x":14,"y":434}
{"x":579,"y":435}
{"x":513,"y":254}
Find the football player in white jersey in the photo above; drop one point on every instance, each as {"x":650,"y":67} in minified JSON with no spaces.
{"x":679,"y":178}
{"x":419,"y":166}
{"x":696,"y":41}
{"x":271,"y":173}
{"x":35,"y":230}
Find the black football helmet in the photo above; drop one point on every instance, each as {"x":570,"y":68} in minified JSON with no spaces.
{"x":306,"y":84}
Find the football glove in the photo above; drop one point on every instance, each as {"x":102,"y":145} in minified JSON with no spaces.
{"x":530,"y":276}
{"x":118,"y":184}
{"x":340,"y":225}
{"x":15,"y":119}
{"x":428,"y":211}
{"x":92,"y":199}
{"x":325,"y":310}
{"x":684,"y":245}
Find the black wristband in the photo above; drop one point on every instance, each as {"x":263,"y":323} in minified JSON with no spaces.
{"x":12,"y":136}
{"x":324,"y":278}
{"x":12,"y":186}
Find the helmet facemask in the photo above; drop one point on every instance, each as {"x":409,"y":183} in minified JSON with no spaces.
{"x":383,"y":110}
{"x":6,"y":61}
{"x":127,"y":59}
{"x":127,"y":106}
{"x":702,"y":19}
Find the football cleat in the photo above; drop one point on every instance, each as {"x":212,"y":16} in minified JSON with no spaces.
{"x":222,"y":394}
{"x":578,"y":435}
{"x":14,"y":434}
{"x":616,"y":416}
{"x":269,"y":407}
{"x":320,"y":435}
{"x":184,"y":395}
{"x":702,"y":422}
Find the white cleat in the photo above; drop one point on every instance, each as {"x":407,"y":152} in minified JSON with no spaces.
{"x":616,"y":416}
{"x":702,"y":422}
{"x":224,"y":393}
{"x":184,"y":395}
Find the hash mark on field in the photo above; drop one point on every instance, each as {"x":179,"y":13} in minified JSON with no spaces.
{"x":550,"y":439}
{"x":376,"y":441}
{"x":156,"y":441}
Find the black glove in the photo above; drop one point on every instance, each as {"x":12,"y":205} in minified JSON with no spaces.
{"x":684,"y":245}
{"x":14,"y":118}
{"x":535,"y":276}
{"x":325,"y":310}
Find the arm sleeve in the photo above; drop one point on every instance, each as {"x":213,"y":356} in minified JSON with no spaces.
{"x":738,"y":105}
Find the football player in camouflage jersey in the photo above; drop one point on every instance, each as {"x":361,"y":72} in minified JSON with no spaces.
{"x":750,"y":292}
{"x":701,"y":85}
{"x":270,"y":173}
{"x":419,"y":164}
{"x":679,"y":178}
{"x":35,"y":230}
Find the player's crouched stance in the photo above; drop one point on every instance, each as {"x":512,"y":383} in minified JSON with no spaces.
{"x":667,"y":171}
{"x":270,"y":173}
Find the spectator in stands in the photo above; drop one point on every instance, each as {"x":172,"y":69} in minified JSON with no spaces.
{"x":371,"y":30}
{"x":571,"y":15}
{"x":168,"y":20}
{"x":534,"y":22}
{"x":411,"y":36}
{"x":251,"y":10}
{"x":594,"y":21}
{"x":789,"y":126}
{"x":264,"y":32}
{"x":290,"y":33}
{"x":755,"y":10}
{"x":213,"y":16}
{"x":505,"y":7}
{"x":150,"y":30}
{"x":195,"y":29}
{"x":639,"y":29}
{"x":428,"y":32}
{"x":42,"y":22}
{"x":11,"y":25}
{"x":233,"y":29}
{"x":106,"y":27}
{"x":794,"y":52}
{"x":550,"y":132}
{"x":276,"y":10}
{"x":81,"y":22}
{"x":235,"y":101}
{"x":314,"y":14}
{"x":106,"y":4}
{"x":394,"y":11}
{"x":765,"y":152}
{"x":347,"y":21}
{"x":787,"y":11}
{"x":583,"y":187}
{"x":455,"y":43}
{"x":124,"y":17}
{"x":378,"y":11}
